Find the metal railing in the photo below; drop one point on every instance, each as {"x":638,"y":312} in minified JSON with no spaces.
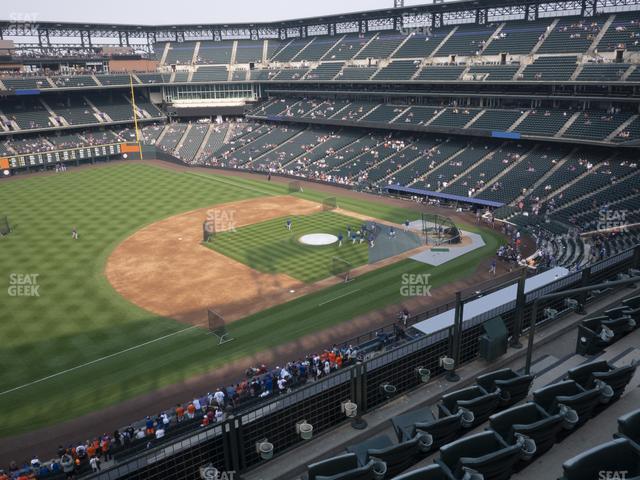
{"x":231,"y":445}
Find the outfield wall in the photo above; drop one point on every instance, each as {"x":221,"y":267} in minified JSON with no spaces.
{"x":231,"y":445}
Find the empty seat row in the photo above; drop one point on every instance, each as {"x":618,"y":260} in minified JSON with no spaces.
{"x":619,"y":458}
{"x":597,"y":333}
{"x":550,"y":69}
{"x":518,"y":433}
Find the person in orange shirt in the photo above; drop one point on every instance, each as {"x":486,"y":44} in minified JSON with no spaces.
{"x":191,"y":411}
{"x":205,"y":421}
{"x":179,"y":413}
{"x":105,"y":446}
{"x":91,"y":450}
{"x":332,"y":357}
{"x":339,"y":361}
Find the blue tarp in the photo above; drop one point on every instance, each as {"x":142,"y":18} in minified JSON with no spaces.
{"x":508,"y":135}
{"x":32,"y":91}
{"x":444,"y":196}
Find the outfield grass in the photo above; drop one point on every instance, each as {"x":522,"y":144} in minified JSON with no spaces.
{"x":270,"y":247}
{"x":78,"y":318}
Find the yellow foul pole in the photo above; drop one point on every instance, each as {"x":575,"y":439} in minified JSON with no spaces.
{"x":135,"y":116}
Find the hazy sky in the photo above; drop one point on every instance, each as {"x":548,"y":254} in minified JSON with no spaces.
{"x":152,"y":12}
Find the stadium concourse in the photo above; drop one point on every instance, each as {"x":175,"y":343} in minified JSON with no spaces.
{"x":520,"y":121}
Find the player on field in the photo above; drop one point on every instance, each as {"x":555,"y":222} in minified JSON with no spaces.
{"x":289,"y":224}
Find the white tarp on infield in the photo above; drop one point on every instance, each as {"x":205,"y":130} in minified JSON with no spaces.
{"x":438,"y":258}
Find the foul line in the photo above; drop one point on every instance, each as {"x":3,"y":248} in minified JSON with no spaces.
{"x":337,"y":298}
{"x":95,"y":361}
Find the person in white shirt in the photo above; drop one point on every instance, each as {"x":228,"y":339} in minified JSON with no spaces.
{"x":219,"y":397}
{"x":282,"y":385}
{"x":95,"y":464}
{"x":160,"y":432}
{"x":219,"y":415}
{"x":165,"y":420}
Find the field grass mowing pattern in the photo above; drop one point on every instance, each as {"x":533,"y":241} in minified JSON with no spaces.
{"x":271,"y":248}
{"x":79,"y":318}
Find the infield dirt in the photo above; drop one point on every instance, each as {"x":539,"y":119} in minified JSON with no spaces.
{"x":165,"y":269}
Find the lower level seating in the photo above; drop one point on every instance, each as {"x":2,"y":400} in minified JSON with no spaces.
{"x":596,"y":125}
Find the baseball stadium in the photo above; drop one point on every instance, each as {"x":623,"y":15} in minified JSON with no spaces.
{"x":286,"y":241}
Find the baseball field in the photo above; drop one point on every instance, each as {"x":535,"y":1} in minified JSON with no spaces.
{"x":271,"y":247}
{"x":72,"y":343}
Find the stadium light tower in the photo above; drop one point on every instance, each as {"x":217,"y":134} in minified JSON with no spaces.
{"x":398,"y":3}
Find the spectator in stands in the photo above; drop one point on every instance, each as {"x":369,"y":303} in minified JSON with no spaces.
{"x":68,"y":465}
{"x":95,"y":464}
{"x":179,"y":413}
